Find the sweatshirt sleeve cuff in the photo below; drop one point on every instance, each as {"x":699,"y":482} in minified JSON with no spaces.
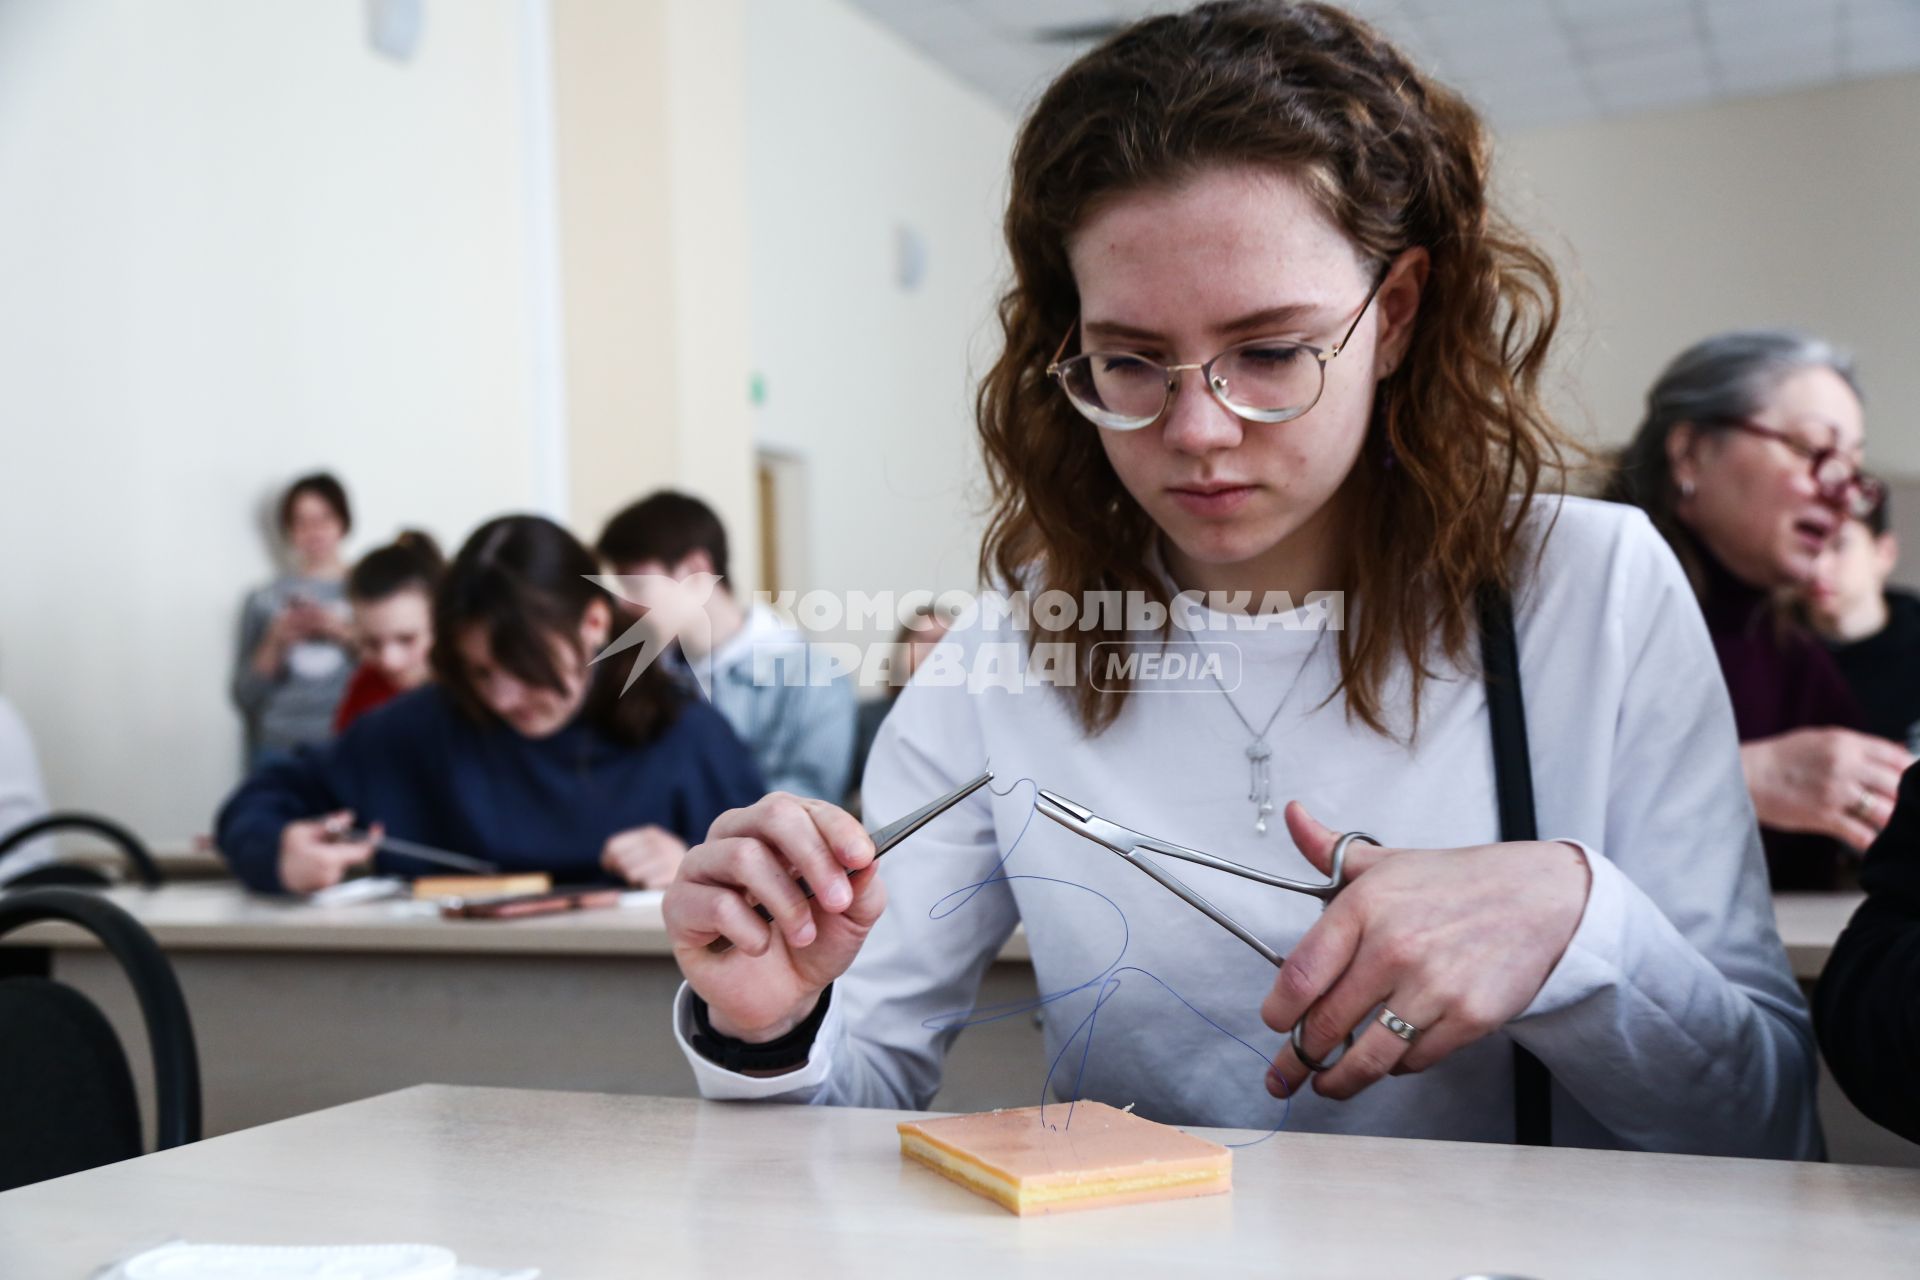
{"x":715,"y":1081}
{"x":1588,"y":964}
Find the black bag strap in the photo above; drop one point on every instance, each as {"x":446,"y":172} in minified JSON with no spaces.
{"x":1513,"y":785}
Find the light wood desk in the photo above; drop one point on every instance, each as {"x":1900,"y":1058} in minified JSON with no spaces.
{"x":297,"y":1007}
{"x":591,"y":1186}
{"x":1810,"y":923}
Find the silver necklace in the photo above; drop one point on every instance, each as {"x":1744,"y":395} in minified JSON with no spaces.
{"x":1259,"y":753}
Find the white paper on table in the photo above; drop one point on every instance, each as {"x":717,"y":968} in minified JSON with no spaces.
{"x":180,"y":1260}
{"x":365,"y":889}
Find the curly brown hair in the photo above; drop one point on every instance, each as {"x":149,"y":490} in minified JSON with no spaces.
{"x":1396,"y":161}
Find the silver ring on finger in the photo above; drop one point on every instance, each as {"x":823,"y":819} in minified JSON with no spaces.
{"x":1398,"y":1025}
{"x":1862,"y":806}
{"x":1299,"y":1041}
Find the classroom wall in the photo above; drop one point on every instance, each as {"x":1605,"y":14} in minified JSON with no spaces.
{"x":852,"y":135}
{"x":1671,"y":225}
{"x":236,"y":244}
{"x":651,"y":186}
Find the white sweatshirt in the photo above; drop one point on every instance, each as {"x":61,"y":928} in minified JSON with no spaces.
{"x":23,"y":797}
{"x":1672,"y":1022}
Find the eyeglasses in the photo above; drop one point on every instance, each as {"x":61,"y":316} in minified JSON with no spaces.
{"x":1265,"y":380}
{"x":1839,"y":480}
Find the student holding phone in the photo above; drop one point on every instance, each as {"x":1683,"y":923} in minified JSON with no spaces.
{"x":522,"y":751}
{"x":295,"y":635}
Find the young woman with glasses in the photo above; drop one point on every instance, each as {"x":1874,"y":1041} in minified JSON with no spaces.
{"x":1748,"y":461}
{"x":1265,"y":335}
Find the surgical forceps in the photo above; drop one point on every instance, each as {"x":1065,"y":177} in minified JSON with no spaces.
{"x":884,"y":838}
{"x":1133,"y":846}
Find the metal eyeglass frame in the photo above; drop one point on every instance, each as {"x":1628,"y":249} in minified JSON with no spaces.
{"x":1861,"y":492}
{"x":1056,"y":369}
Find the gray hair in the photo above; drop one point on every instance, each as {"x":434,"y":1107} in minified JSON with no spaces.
{"x":1729,"y":375}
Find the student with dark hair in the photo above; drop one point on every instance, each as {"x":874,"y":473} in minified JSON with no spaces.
{"x":1748,"y":461}
{"x":798,"y":719}
{"x":295,"y":634}
{"x":1872,"y":630}
{"x":391,"y":590}
{"x":522,"y":750}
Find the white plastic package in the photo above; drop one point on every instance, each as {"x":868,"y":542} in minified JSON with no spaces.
{"x":180,"y":1260}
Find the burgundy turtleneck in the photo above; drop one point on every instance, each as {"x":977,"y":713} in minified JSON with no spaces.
{"x":1781,"y":678}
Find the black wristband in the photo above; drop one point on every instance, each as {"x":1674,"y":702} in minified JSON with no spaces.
{"x":790,"y":1050}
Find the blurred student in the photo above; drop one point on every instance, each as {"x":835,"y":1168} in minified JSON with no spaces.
{"x":799,"y":722}
{"x":919,"y":636}
{"x":23,"y":796}
{"x":391,"y":590}
{"x":1748,"y":461}
{"x":295,"y":633}
{"x":1873,"y":632}
{"x":520,"y":751}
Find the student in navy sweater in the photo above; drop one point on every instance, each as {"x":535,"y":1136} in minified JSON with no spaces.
{"x":522,"y":752}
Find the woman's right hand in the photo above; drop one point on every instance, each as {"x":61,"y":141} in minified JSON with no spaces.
{"x":270,"y":655}
{"x":775,"y":973}
{"x":313,"y":857}
{"x":1832,"y":781}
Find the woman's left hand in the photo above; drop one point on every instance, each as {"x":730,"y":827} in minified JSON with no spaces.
{"x":1456,"y":942}
{"x":645,"y":857}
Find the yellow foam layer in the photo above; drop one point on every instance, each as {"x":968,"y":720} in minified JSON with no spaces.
{"x":1104,"y":1157}
{"x":1030,"y":1197}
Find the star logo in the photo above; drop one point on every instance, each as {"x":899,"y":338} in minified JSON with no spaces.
{"x":667,"y":609}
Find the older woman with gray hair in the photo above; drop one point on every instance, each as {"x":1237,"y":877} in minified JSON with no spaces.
{"x":1748,"y":462}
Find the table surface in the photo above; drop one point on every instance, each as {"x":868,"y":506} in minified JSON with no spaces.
{"x":1810,"y":923}
{"x":224,"y":916}
{"x":592,"y":1185}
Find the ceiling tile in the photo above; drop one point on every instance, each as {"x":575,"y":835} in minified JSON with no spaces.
{"x":1526,"y":61}
{"x":1618,"y":10}
{"x":1659,"y":30}
{"x":1776,"y":75}
{"x":1645,"y":95}
{"x":1023,"y":17}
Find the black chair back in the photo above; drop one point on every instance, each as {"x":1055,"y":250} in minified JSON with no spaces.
{"x":145,"y":869}
{"x":68,"y":1099}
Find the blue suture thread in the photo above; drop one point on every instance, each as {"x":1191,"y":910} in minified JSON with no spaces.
{"x":1107,"y":980}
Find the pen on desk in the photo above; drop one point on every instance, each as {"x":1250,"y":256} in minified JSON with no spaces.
{"x":421,"y":852}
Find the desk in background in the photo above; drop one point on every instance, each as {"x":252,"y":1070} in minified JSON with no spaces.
{"x":584,"y":1185}
{"x":1810,"y":923}
{"x":298,"y":1007}
{"x":178,"y":860}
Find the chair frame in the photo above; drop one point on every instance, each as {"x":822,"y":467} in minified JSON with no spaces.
{"x":176,"y":1061}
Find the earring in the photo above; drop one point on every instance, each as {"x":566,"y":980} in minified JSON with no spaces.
{"x":1686,"y":488}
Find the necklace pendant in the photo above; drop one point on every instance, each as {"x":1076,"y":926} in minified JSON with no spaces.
{"x":1259,"y":783}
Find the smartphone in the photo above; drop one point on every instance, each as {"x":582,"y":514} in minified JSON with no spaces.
{"x":516,"y":905}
